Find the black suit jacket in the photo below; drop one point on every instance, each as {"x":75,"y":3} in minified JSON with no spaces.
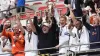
{"x":77,"y":3}
{"x":78,"y":10}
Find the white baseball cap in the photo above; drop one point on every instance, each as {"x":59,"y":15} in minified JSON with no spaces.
{"x":45,"y":24}
{"x":87,"y":8}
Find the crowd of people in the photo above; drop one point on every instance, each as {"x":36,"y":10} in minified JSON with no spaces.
{"x":81,"y":25}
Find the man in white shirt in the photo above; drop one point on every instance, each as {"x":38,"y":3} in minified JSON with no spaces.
{"x":31,"y":38}
{"x":63,"y":36}
{"x":79,"y":38}
{"x":31,"y":41}
{"x":80,"y":35}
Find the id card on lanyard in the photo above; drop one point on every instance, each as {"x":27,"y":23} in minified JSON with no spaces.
{"x":79,"y":36}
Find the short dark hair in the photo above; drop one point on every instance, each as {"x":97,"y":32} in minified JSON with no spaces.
{"x":79,"y":21}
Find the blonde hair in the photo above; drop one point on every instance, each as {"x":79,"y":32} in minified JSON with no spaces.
{"x":63,"y":16}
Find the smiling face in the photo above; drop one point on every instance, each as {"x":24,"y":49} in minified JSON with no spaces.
{"x":63,"y":21}
{"x":78,"y":24}
{"x":28,"y":27}
{"x":15,"y":28}
{"x":45,"y":29}
{"x":95,"y":21}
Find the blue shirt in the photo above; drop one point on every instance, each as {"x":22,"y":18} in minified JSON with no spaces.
{"x":20,"y":3}
{"x":94,"y":33}
{"x":95,"y":36}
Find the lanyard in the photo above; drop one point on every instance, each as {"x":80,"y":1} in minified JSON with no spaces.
{"x":79,"y":34}
{"x":61,"y":31}
{"x":29,"y":37}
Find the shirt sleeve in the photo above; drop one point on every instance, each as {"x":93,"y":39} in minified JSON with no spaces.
{"x":54,"y":25}
{"x":88,"y":26}
{"x":35,"y":22}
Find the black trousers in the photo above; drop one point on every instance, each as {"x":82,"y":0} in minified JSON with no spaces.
{"x":20,"y":9}
{"x":51,"y":51}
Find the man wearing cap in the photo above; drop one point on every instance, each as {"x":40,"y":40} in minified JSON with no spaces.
{"x":46,"y":36}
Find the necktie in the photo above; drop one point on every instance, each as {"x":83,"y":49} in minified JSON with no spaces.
{"x":29,"y":37}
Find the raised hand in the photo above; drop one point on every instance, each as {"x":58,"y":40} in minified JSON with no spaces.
{"x":28,"y":15}
{"x":3,"y":21}
{"x":69,"y":6}
{"x":18,"y":16}
{"x":70,"y":26}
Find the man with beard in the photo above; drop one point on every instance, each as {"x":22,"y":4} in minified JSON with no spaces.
{"x":47,"y":36}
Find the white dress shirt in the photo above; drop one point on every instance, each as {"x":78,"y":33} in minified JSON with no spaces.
{"x":32,"y":45}
{"x":63,"y":39}
{"x":81,"y":38}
